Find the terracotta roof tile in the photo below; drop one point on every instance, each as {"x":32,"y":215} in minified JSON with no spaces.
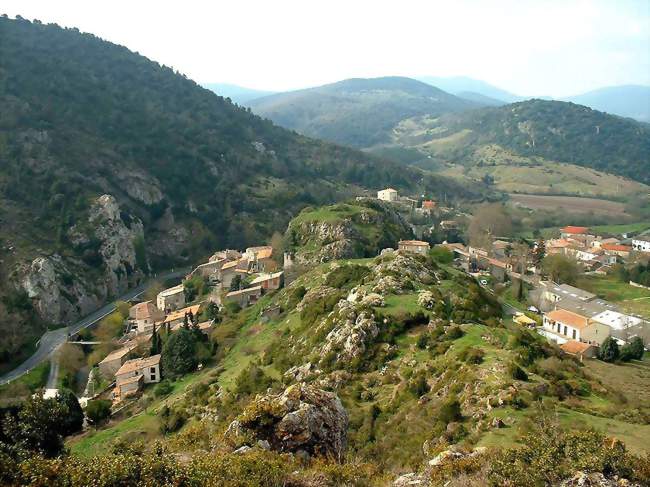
{"x":568,"y":318}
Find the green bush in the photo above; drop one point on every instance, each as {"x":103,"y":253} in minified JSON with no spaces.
{"x":609,"y":351}
{"x":346,"y":275}
{"x":163,"y":388}
{"x":517,"y":372}
{"x":98,"y":411}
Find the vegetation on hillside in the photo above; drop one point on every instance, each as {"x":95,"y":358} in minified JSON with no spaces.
{"x":550,"y":130}
{"x":82,"y":117}
{"x":357,"y":112}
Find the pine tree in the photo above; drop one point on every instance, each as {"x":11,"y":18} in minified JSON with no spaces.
{"x":155,"y":342}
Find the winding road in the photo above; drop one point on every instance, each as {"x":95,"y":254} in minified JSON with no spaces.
{"x":53,"y":339}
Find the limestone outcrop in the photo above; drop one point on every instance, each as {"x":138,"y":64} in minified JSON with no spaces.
{"x":302,"y":419}
{"x":64,"y":288}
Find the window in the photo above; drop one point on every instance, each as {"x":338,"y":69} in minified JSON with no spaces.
{"x":153,"y":370}
{"x":153,"y":376}
{"x":565,"y":330}
{"x":574,"y":334}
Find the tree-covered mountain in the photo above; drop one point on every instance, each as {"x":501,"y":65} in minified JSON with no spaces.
{"x":238,"y":94}
{"x":631,"y":101}
{"x":183,"y":171}
{"x":357,"y":112}
{"x":551,"y":130}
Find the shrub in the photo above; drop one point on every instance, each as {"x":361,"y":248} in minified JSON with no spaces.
{"x":609,"y":351}
{"x":98,"y":411}
{"x":346,"y":275}
{"x":517,"y":372}
{"x":454,"y":333}
{"x":633,"y":350}
{"x":163,"y":388}
{"x":449,"y":411}
{"x":418,"y":385}
{"x":472,"y":355}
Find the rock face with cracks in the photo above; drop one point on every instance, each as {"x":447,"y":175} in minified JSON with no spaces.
{"x":302,"y":419}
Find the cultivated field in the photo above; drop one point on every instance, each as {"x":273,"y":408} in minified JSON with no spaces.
{"x":569,"y":204}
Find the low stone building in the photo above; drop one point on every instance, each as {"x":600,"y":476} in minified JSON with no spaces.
{"x":388,"y":194}
{"x":269,"y":281}
{"x":171,"y":299}
{"x":178,"y":317}
{"x":133,"y":374}
{"x":245,"y":297}
{"x":144,"y":315}
{"x":417,"y":246}
{"x":114,"y":360}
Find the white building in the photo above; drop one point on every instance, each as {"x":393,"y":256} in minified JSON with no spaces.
{"x":616,"y":320}
{"x":641,"y":244}
{"x":144,"y":315}
{"x":561,"y":326}
{"x":171,"y":299}
{"x":388,"y":194}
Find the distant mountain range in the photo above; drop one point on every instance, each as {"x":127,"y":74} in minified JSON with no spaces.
{"x":631,"y":101}
{"x":238,"y":94}
{"x":358,"y":112}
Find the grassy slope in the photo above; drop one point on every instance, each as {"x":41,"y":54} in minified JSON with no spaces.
{"x":632,"y":299}
{"x":246,"y":338}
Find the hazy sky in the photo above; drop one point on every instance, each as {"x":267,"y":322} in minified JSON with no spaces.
{"x":529,"y":47}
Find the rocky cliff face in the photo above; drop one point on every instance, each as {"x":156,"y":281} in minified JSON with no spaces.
{"x":63,"y":288}
{"x":301,"y":419}
{"x":344,"y":231}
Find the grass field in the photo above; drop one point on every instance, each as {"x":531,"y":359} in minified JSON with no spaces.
{"x":632,"y":379}
{"x":632,"y":299}
{"x":615,"y":230}
{"x":569,"y":204}
{"x":26,"y":384}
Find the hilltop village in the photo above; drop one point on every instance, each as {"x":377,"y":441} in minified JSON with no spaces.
{"x":575,"y":319}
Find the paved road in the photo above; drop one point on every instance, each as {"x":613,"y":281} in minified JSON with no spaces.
{"x":53,"y":339}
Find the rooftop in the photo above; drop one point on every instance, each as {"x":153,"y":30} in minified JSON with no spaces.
{"x":267,"y":277}
{"x":568,"y":291}
{"x":248,"y":290}
{"x":179,"y":314}
{"x":574,"y":230}
{"x":413,"y":242}
{"x":573,"y":347}
{"x":116,"y":354}
{"x":137,"y":364}
{"x":568,"y":318}
{"x":616,"y":247}
{"x":588,"y":308}
{"x":144,"y":310}
{"x":172,"y":290}
{"x":129,"y":380}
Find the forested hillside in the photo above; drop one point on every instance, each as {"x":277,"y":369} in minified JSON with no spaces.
{"x":553,"y":130}
{"x":357,"y":112}
{"x":185,"y":172}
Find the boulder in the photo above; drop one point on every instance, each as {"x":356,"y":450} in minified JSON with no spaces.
{"x":597,"y":479}
{"x":302,"y":418}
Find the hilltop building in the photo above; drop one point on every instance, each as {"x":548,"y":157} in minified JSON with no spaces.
{"x":388,"y":194}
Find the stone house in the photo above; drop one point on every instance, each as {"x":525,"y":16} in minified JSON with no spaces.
{"x":133,"y":374}
{"x":178,"y":316}
{"x":619,"y":250}
{"x":417,"y":246}
{"x":260,"y":259}
{"x":144,"y":315}
{"x":566,"y":325}
{"x":579,"y":349}
{"x":171,"y":299}
{"x":114,"y":360}
{"x":269,"y":281}
{"x":245,"y":297}
{"x":388,"y":194}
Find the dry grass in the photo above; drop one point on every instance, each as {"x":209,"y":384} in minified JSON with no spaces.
{"x":571,"y":204}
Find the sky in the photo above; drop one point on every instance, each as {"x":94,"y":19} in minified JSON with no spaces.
{"x":544,"y":48}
